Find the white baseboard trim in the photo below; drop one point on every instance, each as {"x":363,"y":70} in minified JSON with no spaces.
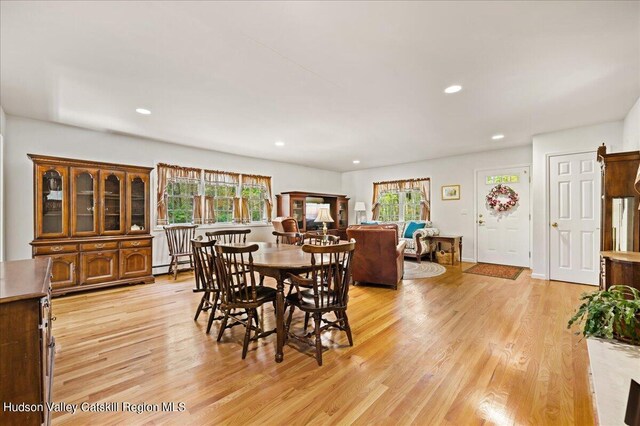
{"x":538,"y":276}
{"x":468,"y":259}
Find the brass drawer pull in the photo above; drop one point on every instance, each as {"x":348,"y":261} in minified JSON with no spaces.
{"x":57,"y":248}
{"x":100,"y":245}
{"x":135,"y":243}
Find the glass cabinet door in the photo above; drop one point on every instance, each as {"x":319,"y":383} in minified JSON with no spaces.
{"x":51,"y":202}
{"x":138,"y":203}
{"x":112,"y":202}
{"x":297,"y":212}
{"x":84,"y":193}
{"x":342,"y":214}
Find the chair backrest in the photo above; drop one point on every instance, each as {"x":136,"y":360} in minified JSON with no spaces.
{"x":292,"y":238}
{"x":331,"y":274}
{"x":179,"y":238}
{"x":393,"y":226}
{"x":285,"y":224}
{"x":316,"y":239}
{"x":204,"y":259}
{"x":229,"y":236}
{"x":235,"y":274}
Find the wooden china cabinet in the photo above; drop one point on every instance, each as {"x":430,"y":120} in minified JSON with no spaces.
{"x":92,"y":219}
{"x":298,"y":204}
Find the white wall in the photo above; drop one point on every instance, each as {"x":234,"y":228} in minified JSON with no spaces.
{"x":581,"y":139}
{"x":39,"y":137}
{"x":452,"y":217}
{"x":631,"y":129}
{"x":2,"y":179}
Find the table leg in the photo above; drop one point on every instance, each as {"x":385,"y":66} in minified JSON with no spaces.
{"x":460,"y":251}
{"x":280,"y":318}
{"x":452,"y":250}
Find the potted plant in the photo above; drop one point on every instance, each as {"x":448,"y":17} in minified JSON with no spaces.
{"x":610,"y":314}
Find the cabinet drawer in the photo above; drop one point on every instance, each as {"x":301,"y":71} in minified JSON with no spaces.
{"x":109,"y":245}
{"x":56,"y":248}
{"x":99,"y":266}
{"x":135,"y":262}
{"x":135,"y":243}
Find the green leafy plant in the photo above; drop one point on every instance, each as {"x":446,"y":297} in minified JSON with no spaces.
{"x":611,"y":314}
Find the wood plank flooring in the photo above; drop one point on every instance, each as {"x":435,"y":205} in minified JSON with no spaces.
{"x":455,"y":349}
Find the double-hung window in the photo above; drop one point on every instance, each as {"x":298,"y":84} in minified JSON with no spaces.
{"x":223,"y":194}
{"x":401,"y":201}
{"x":180,"y":198}
{"x":188,"y":195}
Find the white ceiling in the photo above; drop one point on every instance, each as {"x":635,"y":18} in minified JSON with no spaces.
{"x":335,"y":81}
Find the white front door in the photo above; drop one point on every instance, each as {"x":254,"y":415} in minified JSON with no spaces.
{"x":503,"y":236}
{"x":574,"y":218}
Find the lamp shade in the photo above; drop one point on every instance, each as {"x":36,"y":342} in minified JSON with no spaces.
{"x":324,"y":215}
{"x":359,"y":207}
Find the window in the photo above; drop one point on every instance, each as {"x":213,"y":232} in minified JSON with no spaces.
{"x":190,"y":195}
{"x":223,"y":195}
{"x":180,"y":192}
{"x":389,"y":206}
{"x":401,"y":200}
{"x":253,"y":196}
{"x":412,"y":199}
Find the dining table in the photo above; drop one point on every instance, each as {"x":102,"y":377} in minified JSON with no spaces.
{"x":277,"y":261}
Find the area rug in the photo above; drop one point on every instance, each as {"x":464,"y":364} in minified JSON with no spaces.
{"x":414,"y":270}
{"x":497,"y":271}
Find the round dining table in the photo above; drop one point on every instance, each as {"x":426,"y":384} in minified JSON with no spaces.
{"x":277,"y":261}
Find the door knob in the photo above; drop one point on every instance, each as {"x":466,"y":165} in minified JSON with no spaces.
{"x":480,"y":222}
{"x":554,"y":224}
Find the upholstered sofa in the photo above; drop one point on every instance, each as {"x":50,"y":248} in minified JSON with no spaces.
{"x":379,"y":255}
{"x":417,"y":241}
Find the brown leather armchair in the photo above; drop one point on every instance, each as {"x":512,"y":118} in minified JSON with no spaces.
{"x":379,"y":257}
{"x":285,"y":224}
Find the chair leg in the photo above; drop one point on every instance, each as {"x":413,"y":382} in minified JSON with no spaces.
{"x":204,"y":298}
{"x":247,"y":334}
{"x":347,"y":327}
{"x":212,"y":315}
{"x":306,"y":321}
{"x":175,"y":268}
{"x":223,"y":325}
{"x":317,"y":320}
{"x":261,"y":280}
{"x":287,"y":325}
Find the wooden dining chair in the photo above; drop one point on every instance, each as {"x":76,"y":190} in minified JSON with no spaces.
{"x":239,"y":291}
{"x":204,"y":255}
{"x":291,"y":238}
{"x":179,"y":240}
{"x":325,"y":291}
{"x":316,"y":239}
{"x":229,"y":236}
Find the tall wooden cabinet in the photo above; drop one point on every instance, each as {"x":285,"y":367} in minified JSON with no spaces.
{"x":298,"y":204}
{"x":92,"y":219}
{"x":620,"y":227}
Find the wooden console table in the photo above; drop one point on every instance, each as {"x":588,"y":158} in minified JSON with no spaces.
{"x":453,"y":240}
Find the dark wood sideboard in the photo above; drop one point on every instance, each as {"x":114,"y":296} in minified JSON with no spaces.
{"x":294,"y":204}
{"x":93,"y":220}
{"x":620,"y":221}
{"x":26,"y":342}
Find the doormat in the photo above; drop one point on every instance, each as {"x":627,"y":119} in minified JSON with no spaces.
{"x":497,"y":271}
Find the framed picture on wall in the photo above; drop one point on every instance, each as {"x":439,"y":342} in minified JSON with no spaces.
{"x":450,"y":192}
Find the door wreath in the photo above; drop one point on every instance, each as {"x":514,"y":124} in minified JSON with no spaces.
{"x":502,"y":198}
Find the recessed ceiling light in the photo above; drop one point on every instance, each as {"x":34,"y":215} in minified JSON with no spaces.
{"x":453,"y":89}
{"x":279,"y":143}
{"x":143,"y":111}
{"x":356,"y":161}
{"x":497,"y":137}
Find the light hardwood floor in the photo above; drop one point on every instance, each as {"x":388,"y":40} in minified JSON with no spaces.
{"x":455,"y":349}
